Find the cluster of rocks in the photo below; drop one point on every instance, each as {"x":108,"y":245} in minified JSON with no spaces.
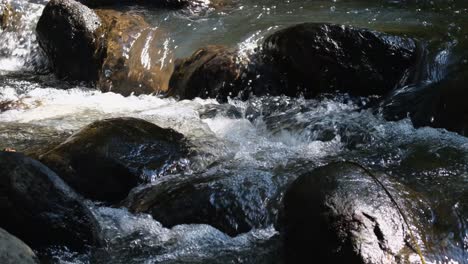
{"x":101,"y":162}
{"x":105,"y":47}
{"x":342,"y":212}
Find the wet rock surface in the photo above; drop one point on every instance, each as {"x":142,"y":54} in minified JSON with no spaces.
{"x":313,"y":58}
{"x":115,"y":51}
{"x":107,"y":158}
{"x":234,"y":204}
{"x":67,"y":32}
{"x":38,"y":207}
{"x":137,"y":58}
{"x":341,"y":213}
{"x":15,"y":251}
{"x":211,"y":72}
{"x":440,"y":104}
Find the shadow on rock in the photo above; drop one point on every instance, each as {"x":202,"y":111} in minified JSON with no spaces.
{"x":38,"y":207}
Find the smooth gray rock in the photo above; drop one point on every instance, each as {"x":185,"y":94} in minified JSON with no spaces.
{"x":15,"y":251}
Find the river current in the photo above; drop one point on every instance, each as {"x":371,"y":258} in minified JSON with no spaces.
{"x":266,"y":141}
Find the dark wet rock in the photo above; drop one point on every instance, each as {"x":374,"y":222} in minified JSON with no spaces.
{"x":68,"y":33}
{"x":138,"y":58}
{"x":440,"y":104}
{"x":231,"y":203}
{"x":314,"y":58}
{"x":117,"y":51}
{"x":15,"y":251}
{"x":211,"y":72}
{"x":107,"y":158}
{"x":38,"y":207}
{"x":343,"y":215}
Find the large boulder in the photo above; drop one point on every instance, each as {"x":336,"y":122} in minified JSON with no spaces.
{"x":107,"y":158}
{"x":117,"y":51}
{"x":233,"y":203}
{"x":68,"y":33}
{"x":340,"y":213}
{"x":211,"y":72}
{"x":440,"y":104}
{"x":38,"y":207}
{"x":313,"y":58}
{"x":15,"y":251}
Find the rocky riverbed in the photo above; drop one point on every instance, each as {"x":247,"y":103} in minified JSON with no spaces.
{"x":233,"y":131}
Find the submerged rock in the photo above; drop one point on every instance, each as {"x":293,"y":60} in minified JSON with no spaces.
{"x":15,"y":251}
{"x":117,"y":51}
{"x":440,"y":104}
{"x":343,"y":215}
{"x":38,"y":207}
{"x":107,"y":158}
{"x":211,"y":72}
{"x":313,"y":58}
{"x":234,"y":204}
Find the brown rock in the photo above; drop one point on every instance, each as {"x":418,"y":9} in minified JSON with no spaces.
{"x":137,"y":57}
{"x":117,"y":51}
{"x":211,"y":72}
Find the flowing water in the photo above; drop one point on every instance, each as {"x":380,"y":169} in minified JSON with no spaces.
{"x":266,"y":141}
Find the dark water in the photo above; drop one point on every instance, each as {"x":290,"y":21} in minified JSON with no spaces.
{"x":269,"y":142}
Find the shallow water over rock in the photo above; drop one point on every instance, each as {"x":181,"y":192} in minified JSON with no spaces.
{"x":249,"y":152}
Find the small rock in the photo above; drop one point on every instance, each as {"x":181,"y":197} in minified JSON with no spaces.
{"x":15,"y":251}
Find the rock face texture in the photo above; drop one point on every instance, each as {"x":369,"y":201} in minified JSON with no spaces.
{"x":315,"y":58}
{"x":137,"y":57}
{"x":343,"y":215}
{"x":107,"y":158}
{"x":116,"y":51}
{"x":15,"y":251}
{"x":38,"y":207}
{"x":234,"y":204}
